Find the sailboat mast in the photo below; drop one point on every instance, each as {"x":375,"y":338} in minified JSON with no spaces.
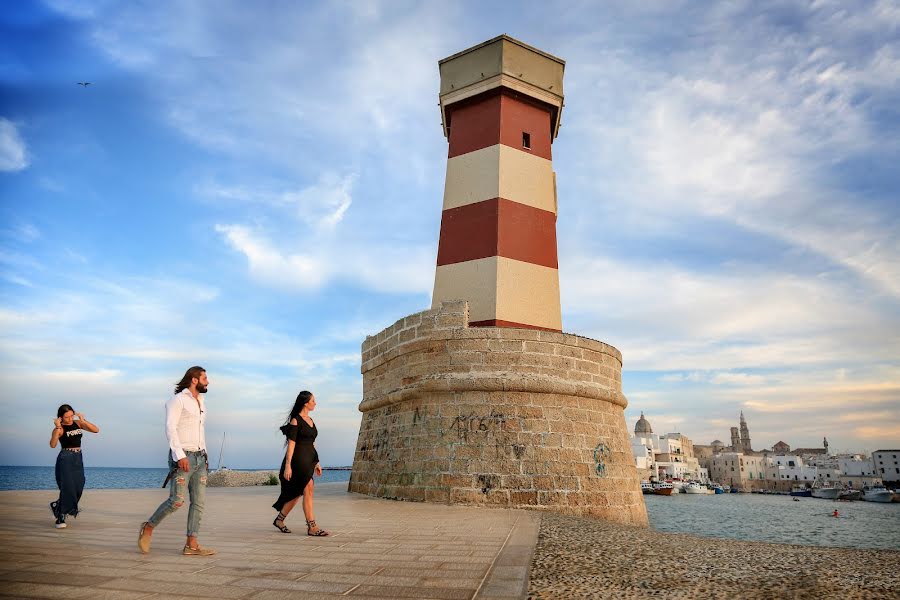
{"x":221,"y":450}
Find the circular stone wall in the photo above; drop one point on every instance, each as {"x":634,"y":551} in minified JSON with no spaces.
{"x":488,"y":415}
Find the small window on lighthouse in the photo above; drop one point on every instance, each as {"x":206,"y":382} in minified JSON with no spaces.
{"x":526,"y":140}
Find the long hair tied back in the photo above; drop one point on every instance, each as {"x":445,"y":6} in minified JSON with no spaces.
{"x":63,"y":410}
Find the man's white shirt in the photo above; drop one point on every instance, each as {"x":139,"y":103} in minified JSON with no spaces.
{"x":185,"y":417}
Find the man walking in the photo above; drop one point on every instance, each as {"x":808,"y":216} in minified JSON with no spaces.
{"x":185,"y":416}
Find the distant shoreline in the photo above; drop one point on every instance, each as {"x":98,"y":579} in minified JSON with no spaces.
{"x":163,"y":467}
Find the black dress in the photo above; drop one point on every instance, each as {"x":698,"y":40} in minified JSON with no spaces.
{"x":303,"y":462}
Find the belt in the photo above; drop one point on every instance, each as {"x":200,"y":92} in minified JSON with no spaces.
{"x":73,"y":449}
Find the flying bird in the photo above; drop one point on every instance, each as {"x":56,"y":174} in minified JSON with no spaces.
{"x":84,"y":83}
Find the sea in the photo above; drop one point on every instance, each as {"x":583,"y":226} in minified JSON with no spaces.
{"x":775,"y":518}
{"x":757,"y":517}
{"x":43,"y":478}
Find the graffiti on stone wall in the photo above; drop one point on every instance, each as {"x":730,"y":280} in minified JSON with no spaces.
{"x":601,"y":455}
{"x":518,"y":450}
{"x":378,"y":447}
{"x":472,"y":423}
{"x":488,"y":482}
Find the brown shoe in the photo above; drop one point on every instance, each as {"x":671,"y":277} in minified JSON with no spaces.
{"x":198,"y":551}
{"x":144,"y":539}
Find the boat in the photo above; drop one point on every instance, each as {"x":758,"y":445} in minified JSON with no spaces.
{"x":676,"y":486}
{"x":733,"y":490}
{"x":716,"y":488}
{"x":663,"y":488}
{"x":877,"y":493}
{"x":692,"y":487}
{"x":646,"y":487}
{"x":801,"y":490}
{"x":825,"y":490}
{"x":221,"y":451}
{"x":850,"y":495}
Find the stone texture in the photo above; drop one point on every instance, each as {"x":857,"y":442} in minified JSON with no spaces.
{"x":494,"y":416}
{"x":578,"y":557}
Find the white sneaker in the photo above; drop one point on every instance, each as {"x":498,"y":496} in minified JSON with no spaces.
{"x":60,"y":523}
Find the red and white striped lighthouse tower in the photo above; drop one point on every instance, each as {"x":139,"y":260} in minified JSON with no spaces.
{"x":501,"y":103}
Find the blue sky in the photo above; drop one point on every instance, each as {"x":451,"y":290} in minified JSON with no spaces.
{"x":255,"y":187}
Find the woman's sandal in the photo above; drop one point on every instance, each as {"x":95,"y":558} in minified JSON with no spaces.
{"x":311,"y":526}
{"x":281,"y":527}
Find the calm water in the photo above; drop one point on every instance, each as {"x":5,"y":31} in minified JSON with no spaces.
{"x":770,"y":518}
{"x":764,"y":518}
{"x":42,"y":478}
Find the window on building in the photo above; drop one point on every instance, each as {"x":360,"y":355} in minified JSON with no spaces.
{"x":790,"y":463}
{"x":526,"y":140}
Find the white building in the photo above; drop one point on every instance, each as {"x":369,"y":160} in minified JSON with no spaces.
{"x":789,"y":467}
{"x":887,"y":464}
{"x":856,"y":466}
{"x":665,"y":456}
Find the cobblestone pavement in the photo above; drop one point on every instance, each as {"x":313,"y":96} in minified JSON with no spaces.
{"x":379,"y":549}
{"x":578,"y":557}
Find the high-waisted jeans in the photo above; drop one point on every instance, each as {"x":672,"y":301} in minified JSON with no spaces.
{"x":194,"y":481}
{"x":70,"y":480}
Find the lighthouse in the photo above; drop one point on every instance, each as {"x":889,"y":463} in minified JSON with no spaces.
{"x":481,"y":399}
{"x":501,"y":103}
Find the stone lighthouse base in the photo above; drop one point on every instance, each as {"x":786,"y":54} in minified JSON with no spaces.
{"x":519,"y":418}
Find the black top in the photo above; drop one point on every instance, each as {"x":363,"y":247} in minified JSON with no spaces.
{"x":71,"y":435}
{"x":301,"y":433}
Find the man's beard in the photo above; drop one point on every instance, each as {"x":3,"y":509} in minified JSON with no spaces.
{"x":202,"y":388}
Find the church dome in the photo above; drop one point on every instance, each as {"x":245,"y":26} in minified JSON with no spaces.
{"x":717,"y":443}
{"x":642,"y":427}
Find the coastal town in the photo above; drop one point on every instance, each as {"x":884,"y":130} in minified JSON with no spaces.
{"x":672,"y":463}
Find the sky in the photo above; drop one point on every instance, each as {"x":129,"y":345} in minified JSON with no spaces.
{"x":255,"y":187}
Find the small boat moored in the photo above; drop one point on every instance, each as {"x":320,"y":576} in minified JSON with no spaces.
{"x":663,"y":488}
{"x":877,"y":493}
{"x":693,"y":487}
{"x":801,"y":490}
{"x":827,"y":490}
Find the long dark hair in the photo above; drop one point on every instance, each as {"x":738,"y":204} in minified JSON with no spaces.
{"x":302,"y":400}
{"x":189,"y":375}
{"x":63,"y":409}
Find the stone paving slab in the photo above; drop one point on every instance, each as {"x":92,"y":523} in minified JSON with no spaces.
{"x":379,"y":549}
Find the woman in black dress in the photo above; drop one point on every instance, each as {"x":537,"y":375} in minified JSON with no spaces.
{"x":300,"y":462}
{"x":69,"y":464}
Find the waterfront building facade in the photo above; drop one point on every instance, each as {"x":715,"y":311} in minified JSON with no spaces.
{"x":736,"y":469}
{"x":886,"y":464}
{"x":661,"y":457}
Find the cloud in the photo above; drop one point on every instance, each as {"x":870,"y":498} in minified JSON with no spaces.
{"x":374,"y":266}
{"x":13,"y":152}
{"x":321,"y":205}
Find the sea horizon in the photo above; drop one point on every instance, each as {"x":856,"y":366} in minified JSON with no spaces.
{"x":42,"y":477}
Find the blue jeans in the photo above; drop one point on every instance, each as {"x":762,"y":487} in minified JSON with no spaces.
{"x":70,"y":481}
{"x":194,"y":481}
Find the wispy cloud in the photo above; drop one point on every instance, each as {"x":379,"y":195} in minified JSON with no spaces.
{"x":13,"y":151}
{"x":374,"y":266}
{"x":322,"y":204}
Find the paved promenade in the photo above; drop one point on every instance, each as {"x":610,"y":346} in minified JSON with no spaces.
{"x":379,"y":549}
{"x":388,"y":549}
